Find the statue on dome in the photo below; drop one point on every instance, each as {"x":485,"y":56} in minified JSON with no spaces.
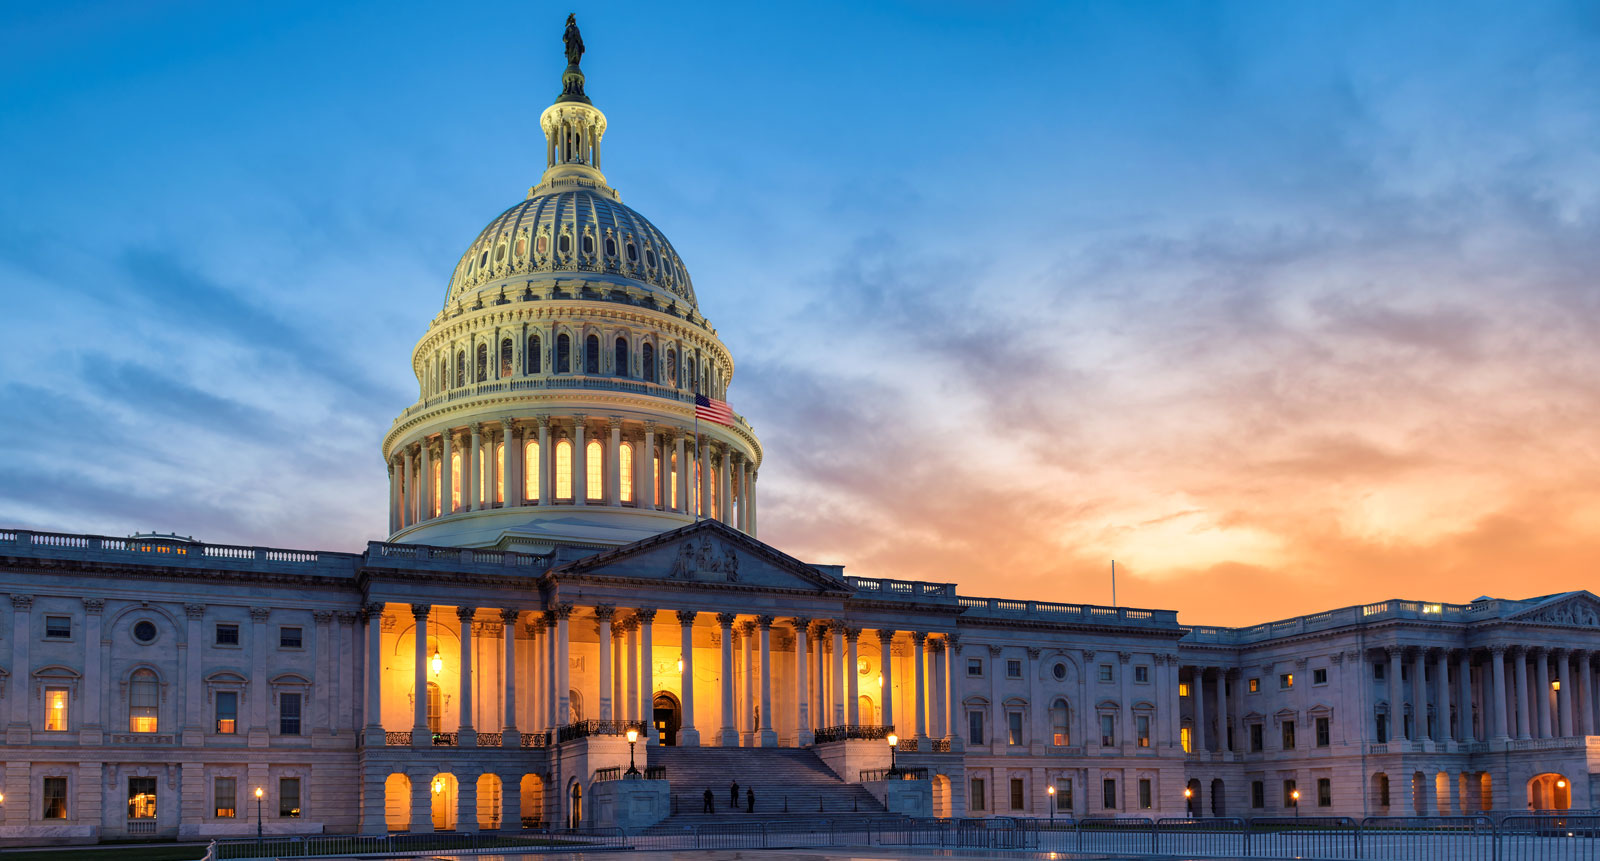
{"x":574,"y":41}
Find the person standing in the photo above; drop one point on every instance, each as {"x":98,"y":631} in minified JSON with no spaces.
{"x":750,"y":800}
{"x":710,"y":805}
{"x":733,"y":796}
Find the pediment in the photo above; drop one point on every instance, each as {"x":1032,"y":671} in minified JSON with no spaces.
{"x":708,"y":552}
{"x":1575,"y":609}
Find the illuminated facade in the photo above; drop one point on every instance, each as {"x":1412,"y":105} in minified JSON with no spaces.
{"x":480,"y":667}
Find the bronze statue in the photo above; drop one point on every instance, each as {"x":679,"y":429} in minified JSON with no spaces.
{"x":574,"y":41}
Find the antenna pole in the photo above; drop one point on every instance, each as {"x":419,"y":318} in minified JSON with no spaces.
{"x":1113,"y":582}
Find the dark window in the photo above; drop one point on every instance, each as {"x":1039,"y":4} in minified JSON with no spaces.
{"x":227,"y":712}
{"x":1377,"y":671}
{"x":1016,"y":793}
{"x":564,"y":244}
{"x":563,"y":353}
{"x":225,"y":798}
{"x":633,"y":253}
{"x":1288,"y":735}
{"x":1059,"y":671}
{"x":1145,"y":801}
{"x":1322,"y":732}
{"x":289,"y":798}
{"x":57,"y":627}
{"x":505,"y":357}
{"x":461,"y":367}
{"x":1013,"y":669}
{"x":289,"y":638}
{"x":1108,"y":730}
{"x":1257,"y":743}
{"x":289,"y":714}
{"x":974,"y":727}
{"x":531,"y":360}
{"x":1105,"y":672}
{"x":974,"y":666}
{"x":482,"y":366}
{"x":611,"y":247}
{"x":1141,"y":674}
{"x":650,"y":258}
{"x":1383,"y":790}
{"x":1013,"y":728}
{"x":1383,"y":729}
{"x":672,"y":367}
{"x":144,"y":630}
{"x":542,"y":244}
{"x":1258,"y":794}
{"x":587,"y":244}
{"x":1063,"y":794}
{"x":1319,"y":676}
{"x":227,"y":634}
{"x":1108,"y":793}
{"x":55,"y":798}
{"x":975,"y":798}
{"x":1324,"y":792}
{"x":649,"y":363}
{"x":591,"y":355}
{"x":620,"y":357}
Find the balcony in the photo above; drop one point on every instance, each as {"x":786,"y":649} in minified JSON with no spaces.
{"x":870,"y":732}
{"x":587,"y":728}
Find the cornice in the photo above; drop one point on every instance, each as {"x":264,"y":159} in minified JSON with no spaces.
{"x":122,"y":571}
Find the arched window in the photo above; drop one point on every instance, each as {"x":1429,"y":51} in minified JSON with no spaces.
{"x":500,"y":472}
{"x":672,"y":367}
{"x":564,"y":244}
{"x":564,"y":469}
{"x":1060,"y":732}
{"x":435,"y":707}
{"x":611,"y":247}
{"x":620,"y":359}
{"x":482,"y":366}
{"x":461,"y":367}
{"x":455,"y":480}
{"x":672,"y":482}
{"x":505,"y":357}
{"x":587,"y":244}
{"x":649,"y":355}
{"x":698,"y":504}
{"x":593,"y":471}
{"x":144,"y":700}
{"x":625,"y":470}
{"x":563,"y":353}
{"x":591,"y":355}
{"x":530,"y":470}
{"x":655,"y":482}
{"x":694,"y":376}
{"x":531,"y":360}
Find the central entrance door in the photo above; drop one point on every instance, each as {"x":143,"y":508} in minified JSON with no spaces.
{"x":667,"y":717}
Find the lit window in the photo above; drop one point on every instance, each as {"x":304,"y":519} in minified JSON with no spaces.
{"x":435,"y":704}
{"x":1141,"y":725}
{"x":593,"y":471}
{"x":530,"y":470}
{"x":500,"y":472}
{"x":625,"y":467}
{"x":143,"y":702}
{"x":57,"y":627}
{"x":1060,"y":732}
{"x":225,"y":797}
{"x":55,"y":709}
{"x":564,"y":469}
{"x":289,"y":714}
{"x":55,"y":798}
{"x":141,"y":798}
{"x":227,"y":712}
{"x":655,"y":480}
{"x":455,"y":481}
{"x":1183,"y":689}
{"x":1285,"y":681}
{"x":289,"y":798}
{"x":1186,"y":738}
{"x":1255,"y":685}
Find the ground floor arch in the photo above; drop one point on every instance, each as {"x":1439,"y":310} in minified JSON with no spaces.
{"x":1191,"y":797}
{"x":667,"y":715}
{"x":397,"y":802}
{"x":1549,"y":791}
{"x":941,"y":796}
{"x":574,"y":817}
{"x":1219,"y":805}
{"x":489,"y":802}
{"x":532,"y":799}
{"x":1441,"y":794}
{"x":443,"y":790}
{"x":1379,"y":789}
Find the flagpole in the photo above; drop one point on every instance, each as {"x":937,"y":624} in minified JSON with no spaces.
{"x":699,"y":503}
{"x":1113,"y":582}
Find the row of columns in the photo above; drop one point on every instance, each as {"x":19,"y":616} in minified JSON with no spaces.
{"x":421,"y":472}
{"x":1535,"y":708}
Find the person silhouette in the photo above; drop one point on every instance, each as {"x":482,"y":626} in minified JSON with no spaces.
{"x":710,"y":805}
{"x":733,"y":795}
{"x":749,"y":801}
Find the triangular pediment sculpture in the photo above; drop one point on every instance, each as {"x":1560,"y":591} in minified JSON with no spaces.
{"x":709,"y":552}
{"x":1575,"y":609}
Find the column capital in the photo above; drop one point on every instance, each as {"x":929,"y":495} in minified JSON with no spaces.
{"x":260,"y":614}
{"x":649,"y":426}
{"x":686,"y":617}
{"x":510,"y":616}
{"x":920,"y":637}
{"x":1336,"y":658}
{"x":420,"y":611}
{"x":544,"y":421}
{"x":22,"y":602}
{"x":372,"y":610}
{"x":465,"y":614}
{"x":645,"y":615}
{"x":619,"y":627}
{"x":321,"y":617}
{"x":1534,"y":652}
{"x":1393,"y":652}
{"x":93,"y":606}
{"x":885,"y":636}
{"x":802,"y":625}
{"x":1557,"y":652}
{"x":535,"y":624}
{"x":562,"y":610}
{"x":614,"y":422}
{"x":851,"y":634}
{"x":937,"y":647}
{"x":1088,"y":654}
{"x":953,"y":642}
{"x":726,"y":620}
{"x":1124,"y":657}
{"x":605,"y":612}
{"x":579,"y":420}
{"x":348,"y":617}
{"x":747,"y":628}
{"x":630,"y":624}
{"x":476,"y":428}
{"x":508,"y":423}
{"x":1499,"y":649}
{"x":765,"y":622}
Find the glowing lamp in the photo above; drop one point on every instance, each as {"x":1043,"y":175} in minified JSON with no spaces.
{"x":893,"y":739}
{"x":633,"y":735}
{"x":437,"y":663}
{"x":880,"y":680}
{"x":680,"y":665}
{"x":259,"y":792}
{"x":438,"y":786}
{"x":1561,"y":784}
{"x":1295,"y":795}
{"x":1555,"y":685}
{"x":1187,"y":792}
{"x":1051,"y":790}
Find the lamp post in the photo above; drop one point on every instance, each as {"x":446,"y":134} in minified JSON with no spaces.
{"x":1188,"y":801}
{"x":633,"y":736}
{"x":259,"y":793}
{"x":894,"y":741}
{"x":1051,"y":791}
{"x":1294,"y":796}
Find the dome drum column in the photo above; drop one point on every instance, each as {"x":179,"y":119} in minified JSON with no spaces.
{"x":472,"y":476}
{"x":613,"y":471}
{"x":580,"y":462}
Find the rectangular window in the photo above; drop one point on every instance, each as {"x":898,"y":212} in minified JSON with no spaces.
{"x":288,"y":798}
{"x":141,"y":798}
{"x":1319,"y":676}
{"x":1258,"y":794}
{"x":1141,"y":675}
{"x":1141,"y":725}
{"x":975,"y":666}
{"x":227,"y":712}
{"x":289,"y":637}
{"x":58,"y":627}
{"x":1105,"y":672}
{"x":1257,"y":742}
{"x":1186,"y":738}
{"x":1064,"y":794}
{"x":1289,"y":793}
{"x":1108,"y":730}
{"x":1383,"y":729}
{"x":1016,"y":793}
{"x":1377,"y":672}
{"x":1013,"y":669}
{"x":1014,"y":728}
{"x":1108,"y":793}
{"x":975,"y":796}
{"x":225,"y":797}
{"x":1183,"y":689}
{"x":1285,"y":681}
{"x":227,"y":634}
{"x":289,"y":714}
{"x":1383,"y":790}
{"x":1288,"y":735}
{"x":55,"y":798}
{"x":55,"y":709}
{"x":1324,"y":792}
{"x":1255,"y":685}
{"x":1145,"y":800}
{"x":1322,"y":732}
{"x":974,"y":727}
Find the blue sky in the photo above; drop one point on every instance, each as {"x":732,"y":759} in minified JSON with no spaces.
{"x":1233,"y":292}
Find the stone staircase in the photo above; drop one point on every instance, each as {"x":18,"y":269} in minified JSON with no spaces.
{"x":789,"y":782}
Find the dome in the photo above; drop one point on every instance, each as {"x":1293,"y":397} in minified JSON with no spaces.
{"x":582,"y":229}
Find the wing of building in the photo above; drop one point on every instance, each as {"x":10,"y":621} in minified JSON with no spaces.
{"x":573,"y":554}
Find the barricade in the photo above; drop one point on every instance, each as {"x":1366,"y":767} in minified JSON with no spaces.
{"x":730,"y":835}
{"x":1222,"y":836}
{"x":1305,"y":837}
{"x":1131,"y":836}
{"x":1425,"y":838}
{"x":1558,"y":837}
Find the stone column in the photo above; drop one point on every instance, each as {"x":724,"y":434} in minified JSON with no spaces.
{"x":372,"y":709}
{"x":802,"y":686}
{"x":680,"y":477}
{"x":546,"y":457}
{"x":852,"y":701}
{"x":613,"y":470}
{"x":1198,"y":693}
{"x":1419,"y":694}
{"x":446,"y":477}
{"x":1563,"y":718}
{"x":467,"y":735}
{"x":509,"y":737}
{"x":1582,"y":695}
{"x":260,"y":689}
{"x":1541,"y":675}
{"x":836,"y":687}
{"x":768,"y":737}
{"x":427,"y":479}
{"x":603,"y":615}
{"x":20,"y":729}
{"x":420,"y":734}
{"x":918,"y":639}
{"x":1464,"y":730}
{"x":647,"y":684}
{"x":747,"y":708}
{"x":323,"y":673}
{"x":886,"y":651}
{"x":688,"y":736}
{"x":394,"y":499}
{"x":703,"y":456}
{"x":630,"y":646}
{"x":645,"y":469}
{"x":820,"y":676}
{"x":538,"y":671}
{"x":1497,"y":712}
{"x":193,"y":677}
{"x":472,"y":475}
{"x":91,"y":730}
{"x":1175,"y":724}
{"x":729,"y":735}
{"x":1441,"y":696}
{"x":580,"y":462}
{"x":1222,"y":714}
{"x":1397,"y":704}
{"x":937,"y":704}
{"x":563,"y":662}
{"x":514,"y":486}
{"x":753,"y":504}
{"x":952,"y":646}
{"x":1524,"y":716}
{"x":724,"y":483}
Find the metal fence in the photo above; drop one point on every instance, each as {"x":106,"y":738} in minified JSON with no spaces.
{"x":322,"y":845}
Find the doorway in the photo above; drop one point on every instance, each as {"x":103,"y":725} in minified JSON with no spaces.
{"x":667,"y":715}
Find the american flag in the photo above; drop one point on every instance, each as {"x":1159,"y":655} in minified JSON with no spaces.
{"x":713,"y":410}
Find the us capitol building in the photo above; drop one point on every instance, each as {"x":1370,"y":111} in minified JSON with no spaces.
{"x":574,"y":553}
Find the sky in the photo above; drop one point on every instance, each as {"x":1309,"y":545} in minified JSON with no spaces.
{"x":1281,"y":305}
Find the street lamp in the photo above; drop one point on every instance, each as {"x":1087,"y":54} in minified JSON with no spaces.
{"x":1188,"y":800}
{"x":894,"y":740}
{"x":259,"y":793}
{"x":1051,"y":791}
{"x":1294,"y":795}
{"x":633,"y":736}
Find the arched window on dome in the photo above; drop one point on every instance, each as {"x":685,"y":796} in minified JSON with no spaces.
{"x":500,"y":472}
{"x":696,"y":503}
{"x":531,"y":358}
{"x":564,"y":470}
{"x":672,"y":367}
{"x":587,"y":244}
{"x":564,"y":354}
{"x":655,"y":482}
{"x":530,"y":470}
{"x":620,"y":359}
{"x":649,"y":356}
{"x":455,"y":480}
{"x":694,"y":376}
{"x":611,"y":247}
{"x":505,"y":358}
{"x":594,"y":471}
{"x":461,"y":368}
{"x":482,"y":365}
{"x":625,"y":470}
{"x":671,"y":487}
{"x":564,"y":244}
{"x":591,"y":355}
